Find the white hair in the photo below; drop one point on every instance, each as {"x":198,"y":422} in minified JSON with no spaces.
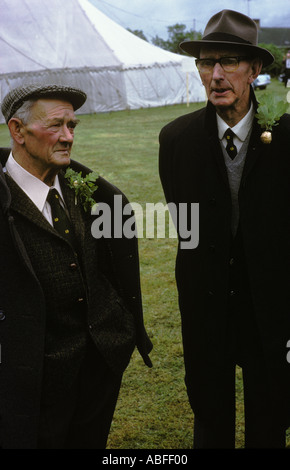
{"x":24,"y":112}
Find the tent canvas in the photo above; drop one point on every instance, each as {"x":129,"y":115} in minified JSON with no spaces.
{"x":72,"y":42}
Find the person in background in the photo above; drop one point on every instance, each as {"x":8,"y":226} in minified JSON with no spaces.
{"x":287,"y":68}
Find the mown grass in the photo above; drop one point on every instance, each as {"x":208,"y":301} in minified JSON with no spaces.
{"x":152,"y":410}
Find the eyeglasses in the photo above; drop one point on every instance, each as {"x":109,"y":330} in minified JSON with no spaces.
{"x":229,"y":64}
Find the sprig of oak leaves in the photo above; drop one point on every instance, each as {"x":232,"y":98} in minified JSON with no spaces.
{"x":84,"y":187}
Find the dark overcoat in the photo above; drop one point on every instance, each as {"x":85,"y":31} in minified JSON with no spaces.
{"x":192,"y":170}
{"x":23,"y":312}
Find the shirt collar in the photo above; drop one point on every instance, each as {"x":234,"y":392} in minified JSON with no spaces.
{"x":241,"y":129}
{"x":35,"y":189}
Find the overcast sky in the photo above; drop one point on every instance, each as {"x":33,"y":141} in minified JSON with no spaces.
{"x":153,"y":16}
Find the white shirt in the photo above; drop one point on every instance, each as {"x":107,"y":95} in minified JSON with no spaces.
{"x":35,"y":189}
{"x":241,"y":129}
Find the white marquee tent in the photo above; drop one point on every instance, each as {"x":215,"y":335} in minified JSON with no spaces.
{"x":72,"y":42}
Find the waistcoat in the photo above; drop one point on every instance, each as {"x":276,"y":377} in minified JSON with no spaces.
{"x":234,"y":171}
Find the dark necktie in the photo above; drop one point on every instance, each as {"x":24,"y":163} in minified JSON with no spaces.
{"x":61,"y":221}
{"x":230,"y":148}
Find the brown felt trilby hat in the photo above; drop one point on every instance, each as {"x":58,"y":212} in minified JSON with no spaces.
{"x":230,"y":28}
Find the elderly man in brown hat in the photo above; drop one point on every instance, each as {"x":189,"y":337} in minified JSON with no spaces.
{"x":70,"y":304}
{"x":234,"y":287}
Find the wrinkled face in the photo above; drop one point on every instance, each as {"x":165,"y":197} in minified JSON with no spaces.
{"x":228,"y":89}
{"x":49,"y":134}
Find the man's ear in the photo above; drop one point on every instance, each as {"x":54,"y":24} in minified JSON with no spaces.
{"x":256,"y":67}
{"x":16,"y":129}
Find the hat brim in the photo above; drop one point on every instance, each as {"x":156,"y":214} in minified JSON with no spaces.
{"x":193,"y":48}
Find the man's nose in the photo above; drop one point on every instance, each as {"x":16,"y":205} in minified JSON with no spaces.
{"x":217,"y":72}
{"x":66,"y":134}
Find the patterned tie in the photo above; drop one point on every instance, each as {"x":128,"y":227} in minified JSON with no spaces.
{"x":230,"y":148}
{"x":60,"y":219}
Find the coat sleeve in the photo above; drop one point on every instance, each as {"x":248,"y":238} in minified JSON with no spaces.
{"x":119,"y":262}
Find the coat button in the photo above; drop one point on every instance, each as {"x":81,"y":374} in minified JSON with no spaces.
{"x":212,"y":201}
{"x":232,"y":261}
{"x":73,"y":266}
{"x":2,"y":315}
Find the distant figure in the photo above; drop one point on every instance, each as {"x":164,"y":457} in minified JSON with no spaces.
{"x":287,"y":68}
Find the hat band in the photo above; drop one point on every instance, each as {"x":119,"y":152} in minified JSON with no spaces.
{"x":221,"y":37}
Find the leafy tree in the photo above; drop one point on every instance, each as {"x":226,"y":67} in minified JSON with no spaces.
{"x":177,"y":33}
{"x":138,"y":32}
{"x":276,"y":68}
{"x":159,"y":42}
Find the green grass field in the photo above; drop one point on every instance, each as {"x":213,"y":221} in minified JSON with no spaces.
{"x":153,"y":410}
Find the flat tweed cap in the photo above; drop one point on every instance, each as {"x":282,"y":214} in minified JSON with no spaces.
{"x":229,"y":28}
{"x":16,"y":97}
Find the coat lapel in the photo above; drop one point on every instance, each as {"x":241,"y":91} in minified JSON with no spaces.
{"x":82,"y":222}
{"x":255,"y":145}
{"x":75,"y":210}
{"x":22,"y":204}
{"x":254,"y":150}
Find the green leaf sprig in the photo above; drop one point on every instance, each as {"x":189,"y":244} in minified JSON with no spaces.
{"x":84,"y":187}
{"x":268,"y":114}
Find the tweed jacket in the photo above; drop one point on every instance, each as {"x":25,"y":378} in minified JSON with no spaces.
{"x":23,"y":301}
{"x":192,"y":170}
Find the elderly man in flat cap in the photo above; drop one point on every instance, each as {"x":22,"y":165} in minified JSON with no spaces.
{"x":234,"y":286}
{"x":70,"y":304}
